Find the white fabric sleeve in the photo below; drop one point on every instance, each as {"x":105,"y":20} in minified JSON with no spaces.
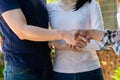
{"x":96,"y":19}
{"x":118,"y":17}
{"x":96,"y":16}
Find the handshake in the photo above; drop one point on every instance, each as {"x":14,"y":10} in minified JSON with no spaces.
{"x":78,"y":39}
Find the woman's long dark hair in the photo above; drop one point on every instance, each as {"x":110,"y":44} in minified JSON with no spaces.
{"x":80,"y":3}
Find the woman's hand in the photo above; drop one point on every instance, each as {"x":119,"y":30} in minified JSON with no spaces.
{"x":61,"y":46}
{"x":81,"y":40}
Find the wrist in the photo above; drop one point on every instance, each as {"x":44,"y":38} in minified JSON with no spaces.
{"x":61,"y":34}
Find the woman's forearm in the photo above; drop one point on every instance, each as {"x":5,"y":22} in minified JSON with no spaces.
{"x":94,"y":34}
{"x":63,"y":46}
{"x":58,"y":45}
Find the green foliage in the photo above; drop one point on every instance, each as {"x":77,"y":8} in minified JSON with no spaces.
{"x":52,"y":53}
{"x":1,"y":71}
{"x":50,"y":1}
{"x":1,"y":66}
{"x":117,"y":74}
{"x":1,"y":79}
{"x":0,"y":34}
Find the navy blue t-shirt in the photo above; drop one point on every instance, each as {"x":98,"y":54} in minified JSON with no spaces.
{"x":24,"y":52}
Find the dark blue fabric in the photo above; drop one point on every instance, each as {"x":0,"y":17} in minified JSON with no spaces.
{"x":24,"y":52}
{"x":8,"y":5}
{"x":19,"y":73}
{"x":89,"y":75}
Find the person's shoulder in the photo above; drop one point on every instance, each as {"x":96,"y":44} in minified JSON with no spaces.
{"x":93,"y":2}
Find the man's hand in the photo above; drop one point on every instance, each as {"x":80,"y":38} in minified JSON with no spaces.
{"x":69,"y":36}
{"x":80,"y":40}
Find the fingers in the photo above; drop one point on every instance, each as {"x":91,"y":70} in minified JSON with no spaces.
{"x":81,"y":44}
{"x":75,"y":48}
{"x":82,"y":38}
{"x":76,"y":39}
{"x":82,"y":35}
{"x":80,"y":32}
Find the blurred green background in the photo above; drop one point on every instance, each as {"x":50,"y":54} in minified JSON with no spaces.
{"x":50,"y":1}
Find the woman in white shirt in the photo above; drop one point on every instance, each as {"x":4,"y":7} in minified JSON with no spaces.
{"x":70,"y":15}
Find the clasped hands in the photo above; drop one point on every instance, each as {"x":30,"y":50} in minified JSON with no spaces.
{"x":77,"y":39}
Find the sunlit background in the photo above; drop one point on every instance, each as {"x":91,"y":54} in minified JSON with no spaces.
{"x":50,"y":1}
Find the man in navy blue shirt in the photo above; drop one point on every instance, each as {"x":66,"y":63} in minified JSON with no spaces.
{"x":24,"y":25}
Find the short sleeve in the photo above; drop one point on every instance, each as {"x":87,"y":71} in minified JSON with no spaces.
{"x":96,"y":15}
{"x":6,"y":5}
{"x":118,"y":17}
{"x":96,"y":20}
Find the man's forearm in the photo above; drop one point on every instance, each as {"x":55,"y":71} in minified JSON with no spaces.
{"x":18,"y":24}
{"x":40,"y":34}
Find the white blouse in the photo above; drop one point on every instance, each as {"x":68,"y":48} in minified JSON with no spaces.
{"x":87,"y":17}
{"x":118,"y":17}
